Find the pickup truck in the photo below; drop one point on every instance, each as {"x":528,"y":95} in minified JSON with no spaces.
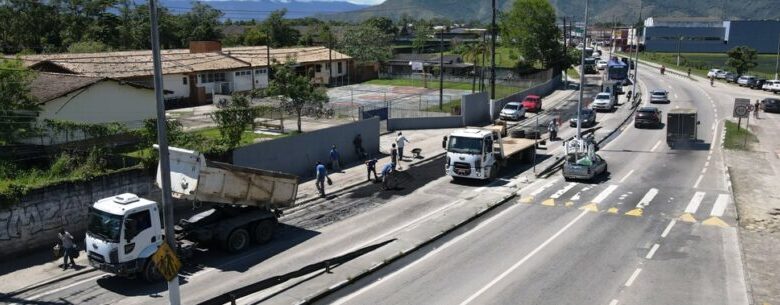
{"x":124,"y":231}
{"x":581,"y":160}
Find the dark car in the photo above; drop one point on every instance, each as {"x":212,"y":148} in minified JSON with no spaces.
{"x":771,"y":105}
{"x":647,"y":116}
{"x":758,"y":83}
{"x":731,"y":77}
{"x":588,"y":118}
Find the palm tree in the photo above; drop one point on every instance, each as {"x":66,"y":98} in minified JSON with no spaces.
{"x":472,"y":52}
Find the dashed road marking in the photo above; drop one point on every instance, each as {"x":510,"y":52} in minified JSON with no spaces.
{"x":693,"y":205}
{"x":720,"y":205}
{"x":541,"y":189}
{"x":633,"y":277}
{"x":656,"y":145}
{"x":652,"y":251}
{"x":668,"y":228}
{"x":562,"y":191}
{"x":698,"y":180}
{"x":647,"y":198}
{"x":614,"y":302}
{"x":626,"y":176}
{"x":604,"y":194}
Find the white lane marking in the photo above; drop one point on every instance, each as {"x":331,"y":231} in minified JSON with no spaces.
{"x":604,"y":194}
{"x":720,"y":205}
{"x":37,"y":296}
{"x":656,"y":145}
{"x":480,"y":189}
{"x":698,"y":180}
{"x":709,"y":157}
{"x":668,"y":228}
{"x":652,"y":251}
{"x":706,"y":164}
{"x":633,"y":277}
{"x":541,"y":189}
{"x":647,"y":198}
{"x":560,"y":192}
{"x":675,"y":96}
{"x":713,"y":125}
{"x":694,"y":204}
{"x":703,"y":170}
{"x":455,"y":240}
{"x":614,"y":302}
{"x":524,"y":259}
{"x":626,"y":176}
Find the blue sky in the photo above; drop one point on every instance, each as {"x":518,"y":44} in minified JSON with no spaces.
{"x":364,"y":2}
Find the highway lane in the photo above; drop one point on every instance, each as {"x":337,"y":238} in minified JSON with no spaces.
{"x":603,"y":243}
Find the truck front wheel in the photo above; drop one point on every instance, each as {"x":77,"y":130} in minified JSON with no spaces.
{"x":237,"y":240}
{"x":264,"y":231}
{"x":150,"y":273}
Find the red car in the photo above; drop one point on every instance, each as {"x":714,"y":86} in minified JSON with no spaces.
{"x":532,"y":103}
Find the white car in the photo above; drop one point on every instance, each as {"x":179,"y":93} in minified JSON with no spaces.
{"x":714,"y":73}
{"x":513,"y":111}
{"x":601,"y":64}
{"x":603,"y":101}
{"x":771,"y":85}
{"x":659,"y":96}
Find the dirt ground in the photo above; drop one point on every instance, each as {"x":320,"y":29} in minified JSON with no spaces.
{"x":755,"y":177}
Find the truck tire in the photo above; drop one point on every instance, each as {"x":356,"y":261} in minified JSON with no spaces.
{"x":237,"y":240}
{"x":517,"y":133}
{"x":150,"y":273}
{"x":264,"y":231}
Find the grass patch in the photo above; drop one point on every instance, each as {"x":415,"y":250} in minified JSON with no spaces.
{"x":735,"y":137}
{"x":572,"y":73}
{"x":446,"y":107}
{"x":501,"y":90}
{"x":700,"y":63}
{"x":247,"y":137}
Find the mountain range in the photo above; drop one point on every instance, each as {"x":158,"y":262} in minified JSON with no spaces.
{"x":626,"y":11}
{"x":259,"y":9}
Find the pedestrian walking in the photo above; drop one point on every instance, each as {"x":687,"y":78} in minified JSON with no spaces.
{"x":757,"y":109}
{"x":322,"y":175}
{"x":386,"y":170}
{"x":358,"y":143}
{"x":394,"y":154}
{"x":552,"y":127}
{"x":68,"y":248}
{"x":371,"y":168}
{"x":334,"y":159}
{"x":399,"y":141}
{"x":689,"y":72}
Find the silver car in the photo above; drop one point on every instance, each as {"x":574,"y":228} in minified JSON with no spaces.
{"x":512,"y":111}
{"x":603,"y":101}
{"x":659,"y":96}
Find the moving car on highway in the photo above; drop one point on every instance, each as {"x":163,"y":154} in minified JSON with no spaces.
{"x":601,"y":64}
{"x":603,"y":102}
{"x":532,"y":103}
{"x":681,"y":127}
{"x":512,"y":111}
{"x":659,"y":96}
{"x":581,"y":160}
{"x":771,"y":105}
{"x":588,"y":118}
{"x":647,"y":116}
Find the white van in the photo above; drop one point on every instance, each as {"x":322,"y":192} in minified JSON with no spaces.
{"x":771,"y":85}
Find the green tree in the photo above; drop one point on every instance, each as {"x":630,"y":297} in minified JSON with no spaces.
{"x":384,"y":24}
{"x":88,"y":47}
{"x":366,"y":44}
{"x":422,"y":32}
{"x":255,"y":37}
{"x":280,"y":31}
{"x":742,"y":59}
{"x":529,"y":26}
{"x":200,"y":23}
{"x":296,"y":91}
{"x":472,"y":52}
{"x":234,"y":120}
{"x":17,"y":104}
{"x":29,"y":25}
{"x":86,"y":20}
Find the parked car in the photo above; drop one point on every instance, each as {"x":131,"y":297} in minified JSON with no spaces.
{"x":659,"y":96}
{"x":603,"y":101}
{"x":647,"y":116}
{"x":512,"y":111}
{"x":721,"y":74}
{"x":588,"y":118}
{"x":601,"y":64}
{"x":771,"y":85}
{"x":771,"y":105}
{"x":714,"y":73}
{"x":731,"y":77}
{"x":532,"y":103}
{"x":746,"y":80}
{"x":758,"y":84}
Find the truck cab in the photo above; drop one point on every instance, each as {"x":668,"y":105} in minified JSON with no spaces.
{"x":473,"y":153}
{"x":123,"y":231}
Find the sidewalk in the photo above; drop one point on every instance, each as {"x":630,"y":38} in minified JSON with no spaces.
{"x":355,"y":174}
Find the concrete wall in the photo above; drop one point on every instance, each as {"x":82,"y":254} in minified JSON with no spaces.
{"x":425,"y":123}
{"x":475,"y":108}
{"x":176,"y":83}
{"x":34,"y":222}
{"x":540,"y":90}
{"x":298,"y":154}
{"x":104,"y":102}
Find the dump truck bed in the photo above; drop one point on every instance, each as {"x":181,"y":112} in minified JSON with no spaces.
{"x":194,"y":178}
{"x":513,"y":146}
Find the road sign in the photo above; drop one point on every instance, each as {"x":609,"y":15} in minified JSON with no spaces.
{"x":416,"y":65}
{"x":166,"y":262}
{"x":741,"y":108}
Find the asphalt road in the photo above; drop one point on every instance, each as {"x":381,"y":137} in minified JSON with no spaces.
{"x":658,"y":229}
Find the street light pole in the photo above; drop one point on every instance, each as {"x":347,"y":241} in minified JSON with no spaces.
{"x":679,"y":41}
{"x":636,"y":57}
{"x":777,"y":61}
{"x":162,"y":140}
{"x":582,"y":73}
{"x":441,"y":69}
{"x":493,"y":34}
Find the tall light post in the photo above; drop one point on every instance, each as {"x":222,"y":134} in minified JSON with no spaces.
{"x":441,"y":69}
{"x":636,"y":47}
{"x":162,"y":140}
{"x":493,"y":34}
{"x":582,"y":73}
{"x":777,"y":61}
{"x":679,"y":42}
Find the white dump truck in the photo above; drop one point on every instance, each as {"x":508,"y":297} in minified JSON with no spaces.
{"x":479,"y":153}
{"x":125,"y":230}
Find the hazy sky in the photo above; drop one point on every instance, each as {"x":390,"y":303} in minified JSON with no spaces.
{"x":365,"y":2}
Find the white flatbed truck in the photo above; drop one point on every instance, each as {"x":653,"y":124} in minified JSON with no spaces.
{"x":125,"y":230}
{"x":481,"y":152}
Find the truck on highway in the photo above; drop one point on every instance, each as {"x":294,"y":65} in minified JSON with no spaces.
{"x":124,"y":231}
{"x":616,"y":70}
{"x":479,"y":153}
{"x":581,"y":160}
{"x":681,"y":127}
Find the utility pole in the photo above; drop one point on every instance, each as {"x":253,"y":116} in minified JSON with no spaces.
{"x":612,"y":37}
{"x":777,"y":61}
{"x":565,"y":53}
{"x":582,"y":73}
{"x":162,"y":141}
{"x":493,"y":34}
{"x":636,"y":60}
{"x":441,"y":69}
{"x":268,"y":55}
{"x":330,"y":58}
{"x":679,"y":42}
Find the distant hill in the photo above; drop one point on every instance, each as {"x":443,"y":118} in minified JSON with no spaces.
{"x":626,"y":11}
{"x":259,"y":9}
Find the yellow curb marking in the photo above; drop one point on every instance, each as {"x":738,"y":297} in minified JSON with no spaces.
{"x":549,"y":202}
{"x":612,"y":210}
{"x":569,"y":204}
{"x":635,"y":212}
{"x":591,"y":207}
{"x":715,"y":221}
{"x":687,"y":217}
{"x":527,"y":199}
